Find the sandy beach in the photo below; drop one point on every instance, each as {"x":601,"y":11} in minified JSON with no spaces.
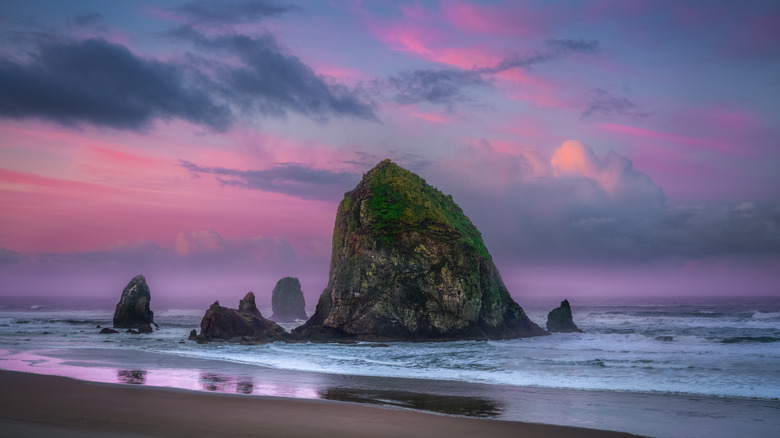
{"x":34,"y":405}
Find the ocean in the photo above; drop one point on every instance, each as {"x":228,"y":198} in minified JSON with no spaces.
{"x":665,"y":367}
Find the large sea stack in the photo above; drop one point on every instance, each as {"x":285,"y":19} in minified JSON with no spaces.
{"x":560,"y":319}
{"x":242,"y":324}
{"x":408,"y":265}
{"x":133,"y":310}
{"x":287,"y":301}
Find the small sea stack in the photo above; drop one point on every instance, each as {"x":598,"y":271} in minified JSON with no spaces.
{"x":132,"y":310}
{"x":244,"y":324}
{"x":287,"y":301}
{"x":560,"y":320}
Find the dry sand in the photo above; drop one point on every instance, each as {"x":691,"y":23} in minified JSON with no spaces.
{"x":33,"y":405}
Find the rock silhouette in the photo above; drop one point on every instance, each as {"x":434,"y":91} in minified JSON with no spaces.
{"x":560,"y":319}
{"x":243,"y":324}
{"x":287,"y":301}
{"x":133,"y":310}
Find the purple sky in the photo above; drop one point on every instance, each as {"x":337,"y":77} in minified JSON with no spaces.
{"x":602,"y":147}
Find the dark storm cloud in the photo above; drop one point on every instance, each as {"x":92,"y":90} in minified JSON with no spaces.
{"x":286,"y":178}
{"x":97,"y":82}
{"x":228,"y":12}
{"x":446,"y":86}
{"x":603,"y":103}
{"x":272,"y":82}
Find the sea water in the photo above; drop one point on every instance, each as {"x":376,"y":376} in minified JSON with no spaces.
{"x":727,"y":348}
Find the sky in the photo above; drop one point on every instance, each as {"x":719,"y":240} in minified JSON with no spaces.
{"x":608,"y":147}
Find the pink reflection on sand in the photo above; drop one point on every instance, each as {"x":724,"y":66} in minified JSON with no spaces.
{"x":31,"y":362}
{"x":179,"y":378}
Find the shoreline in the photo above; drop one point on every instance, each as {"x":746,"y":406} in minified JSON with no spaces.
{"x":35,"y":405}
{"x":643,"y":414}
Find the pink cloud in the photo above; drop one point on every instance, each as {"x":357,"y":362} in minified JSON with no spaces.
{"x":614,"y":173}
{"x":431,"y":41}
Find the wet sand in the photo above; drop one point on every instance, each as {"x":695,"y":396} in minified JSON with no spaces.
{"x":33,"y":405}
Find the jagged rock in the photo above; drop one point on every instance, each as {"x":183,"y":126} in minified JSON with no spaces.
{"x":133,"y":332}
{"x":287,"y":301}
{"x":233,"y":324}
{"x":133,"y":311}
{"x":560,"y":320}
{"x":108,"y":331}
{"x":193,"y":335}
{"x":408,"y":265}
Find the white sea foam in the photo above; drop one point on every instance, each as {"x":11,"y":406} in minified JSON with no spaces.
{"x":724,"y":350}
{"x":766,"y":315}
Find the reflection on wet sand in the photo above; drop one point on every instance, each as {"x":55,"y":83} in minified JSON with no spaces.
{"x":446,"y":404}
{"x":224,"y":383}
{"x":133,"y":377}
{"x":245,"y":387}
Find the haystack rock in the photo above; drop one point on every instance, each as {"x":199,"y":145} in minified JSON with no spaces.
{"x":560,"y":319}
{"x":244,"y":324}
{"x":287,"y":301}
{"x":408,"y":265}
{"x":133,"y":311}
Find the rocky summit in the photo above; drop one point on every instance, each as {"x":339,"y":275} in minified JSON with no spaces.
{"x":242,"y":324}
{"x":287,"y":301}
{"x":560,"y":319}
{"x":132,"y":310}
{"x":408,"y":265}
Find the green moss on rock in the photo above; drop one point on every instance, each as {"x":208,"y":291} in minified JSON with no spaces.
{"x":400,"y":201}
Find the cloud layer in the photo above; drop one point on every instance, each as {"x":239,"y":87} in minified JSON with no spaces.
{"x":95,"y":82}
{"x":289,"y":179}
{"x":445,"y":86}
{"x":583,"y":208}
